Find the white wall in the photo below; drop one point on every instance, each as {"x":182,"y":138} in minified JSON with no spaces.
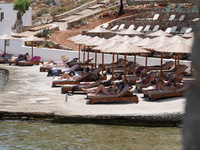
{"x":10,"y":17}
{"x":17,"y":47}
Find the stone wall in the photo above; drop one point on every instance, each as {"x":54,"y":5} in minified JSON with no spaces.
{"x":73,"y":11}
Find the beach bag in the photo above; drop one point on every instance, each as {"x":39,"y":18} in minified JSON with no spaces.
{"x":56,"y":72}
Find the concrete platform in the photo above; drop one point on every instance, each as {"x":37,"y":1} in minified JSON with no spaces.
{"x":29,"y":95}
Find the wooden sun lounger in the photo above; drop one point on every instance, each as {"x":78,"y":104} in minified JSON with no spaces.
{"x":29,"y":63}
{"x":154,"y":95}
{"x":78,"y":88}
{"x":83,"y":78}
{"x":124,"y":95}
{"x":167,"y":65}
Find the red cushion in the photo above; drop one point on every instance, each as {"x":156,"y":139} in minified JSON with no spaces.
{"x":36,"y":58}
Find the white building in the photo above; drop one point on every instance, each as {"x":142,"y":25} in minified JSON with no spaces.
{"x":8,"y":17}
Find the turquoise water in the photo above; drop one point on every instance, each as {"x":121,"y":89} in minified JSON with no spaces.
{"x":44,"y":135}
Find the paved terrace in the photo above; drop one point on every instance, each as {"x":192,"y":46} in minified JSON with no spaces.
{"x":29,"y":95}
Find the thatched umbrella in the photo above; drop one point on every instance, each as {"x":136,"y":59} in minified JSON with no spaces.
{"x":32,"y":39}
{"x":158,"y":33}
{"x":99,"y":30}
{"x":177,"y":48}
{"x":129,"y":32}
{"x":6,"y":37}
{"x":124,"y":48}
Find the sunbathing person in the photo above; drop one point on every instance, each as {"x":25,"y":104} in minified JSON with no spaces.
{"x":107,"y":90}
{"x":55,"y":63}
{"x":72,"y":75}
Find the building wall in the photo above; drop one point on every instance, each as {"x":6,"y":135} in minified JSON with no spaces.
{"x":10,"y":17}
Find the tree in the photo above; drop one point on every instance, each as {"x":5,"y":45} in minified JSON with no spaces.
{"x":21,"y":6}
{"x":121,"y":8}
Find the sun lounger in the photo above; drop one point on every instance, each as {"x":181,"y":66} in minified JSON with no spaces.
{"x":167,"y":65}
{"x":173,"y":30}
{"x":123,"y":95}
{"x":132,"y":26}
{"x":114,"y":28}
{"x":181,"y":18}
{"x":183,"y":29}
{"x":84,"y":78}
{"x":172,"y":18}
{"x":168,"y":8}
{"x":118,"y":63}
{"x":147,"y":29}
{"x":119,"y":68}
{"x":188,"y":30}
{"x":173,"y":70}
{"x":195,"y":9}
{"x":156,"y":28}
{"x":86,"y":63}
{"x":121,"y":27}
{"x":78,"y":88}
{"x":6,"y":58}
{"x":178,"y":8}
{"x":139,"y":29}
{"x":154,"y":94}
{"x":34,"y":61}
{"x":168,"y":30}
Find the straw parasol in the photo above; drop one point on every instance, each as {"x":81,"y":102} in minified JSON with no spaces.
{"x":32,"y":39}
{"x":129,"y":32}
{"x":6,"y":37}
{"x":124,"y":48}
{"x":99,"y":30}
{"x":73,"y":38}
{"x":159,"y":33}
{"x":177,"y":48}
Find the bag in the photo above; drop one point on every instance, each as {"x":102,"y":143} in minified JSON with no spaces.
{"x":56,"y":72}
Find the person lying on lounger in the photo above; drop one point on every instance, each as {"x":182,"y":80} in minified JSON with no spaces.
{"x":107,"y":90}
{"x":72,"y":75}
{"x":55,"y":63}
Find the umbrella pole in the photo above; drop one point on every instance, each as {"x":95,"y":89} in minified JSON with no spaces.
{"x":95,"y":59}
{"x":4,"y":46}
{"x":177,"y":67}
{"x":84,"y":54}
{"x":32,"y":49}
{"x":146,"y":60}
{"x":113,"y":60}
{"x":161,"y":68}
{"x":88,"y":52}
{"x":102,"y":62}
{"x":175,"y":61}
{"x":124,"y":68}
{"x":79,"y":52}
{"x":134,"y":64}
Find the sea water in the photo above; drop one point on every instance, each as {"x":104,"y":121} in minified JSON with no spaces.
{"x":38,"y":135}
{"x":29,"y":135}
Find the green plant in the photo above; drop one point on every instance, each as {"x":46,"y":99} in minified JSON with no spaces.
{"x":41,"y":12}
{"x":44,"y":33}
{"x":21,"y":6}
